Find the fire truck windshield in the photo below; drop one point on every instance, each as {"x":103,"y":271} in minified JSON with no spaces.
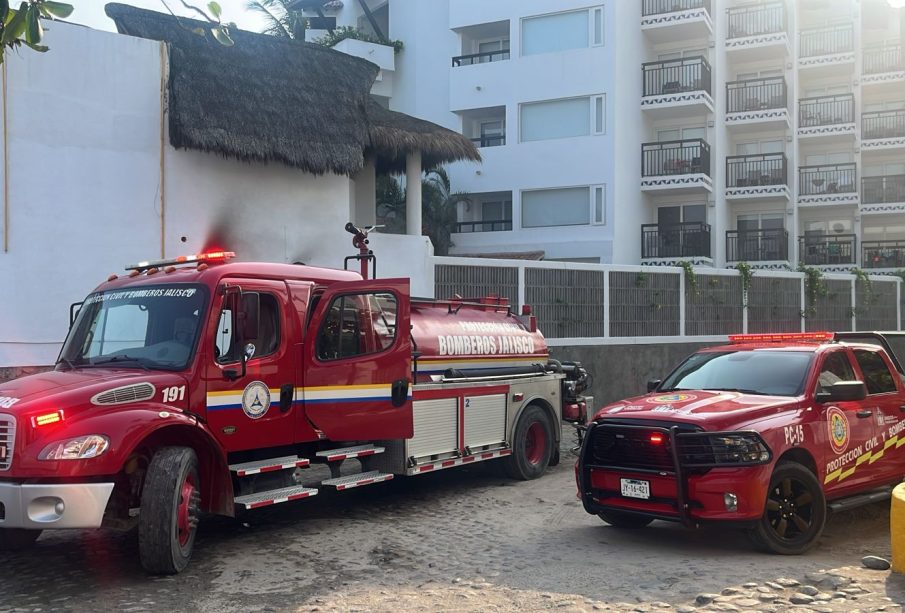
{"x":766,"y":372}
{"x":142,"y":327}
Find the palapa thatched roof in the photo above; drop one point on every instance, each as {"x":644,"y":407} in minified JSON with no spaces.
{"x":265,"y":99}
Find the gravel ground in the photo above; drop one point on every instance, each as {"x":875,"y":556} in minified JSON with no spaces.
{"x":457,"y":540}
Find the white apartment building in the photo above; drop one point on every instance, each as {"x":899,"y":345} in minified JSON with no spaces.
{"x":658,"y":131}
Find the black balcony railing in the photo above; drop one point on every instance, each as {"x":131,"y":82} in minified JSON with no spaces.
{"x":495,"y":225}
{"x":826,"y":41}
{"x":883,"y":254}
{"x":756,"y":95}
{"x":757,"y":245}
{"x":489,"y":140}
{"x":480,"y":58}
{"x":680,"y":240}
{"x":829,"y":179}
{"x":883,"y":190}
{"x":883,"y":124}
{"x":826,"y":110}
{"x":753,"y":170}
{"x":756,"y":20}
{"x":659,"y":7}
{"x":835,"y":249}
{"x":688,"y":74}
{"x":888,"y":58}
{"x":677,"y":157}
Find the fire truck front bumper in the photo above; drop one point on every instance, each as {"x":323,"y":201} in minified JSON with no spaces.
{"x":49,"y":506}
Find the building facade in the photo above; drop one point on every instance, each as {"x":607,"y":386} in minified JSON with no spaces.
{"x":660,"y":131}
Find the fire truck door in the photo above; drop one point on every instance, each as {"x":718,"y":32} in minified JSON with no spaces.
{"x":886,"y":398}
{"x":253,"y":410}
{"x":357,"y":355}
{"x":849,"y":427}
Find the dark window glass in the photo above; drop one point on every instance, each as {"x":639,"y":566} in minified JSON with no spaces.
{"x":768,"y":372}
{"x":357,"y":325}
{"x":876,"y":375}
{"x":268,"y":341}
{"x":836,"y":367}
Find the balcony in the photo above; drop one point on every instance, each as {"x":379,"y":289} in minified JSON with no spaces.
{"x":676,"y":167}
{"x":827,"y":48}
{"x":757,"y":104}
{"x":757,"y":176}
{"x":828,"y":184}
{"x":480,"y":58}
{"x":486,"y":127}
{"x":836,"y":250}
{"x":884,"y":194}
{"x":672,"y":243}
{"x":757,"y":32}
{"x":827,"y":116}
{"x":883,"y":254}
{"x":675,"y":88}
{"x":883,"y":65}
{"x":670,"y":20}
{"x":769,"y":245}
{"x":882,"y":130}
{"x":495,"y":225}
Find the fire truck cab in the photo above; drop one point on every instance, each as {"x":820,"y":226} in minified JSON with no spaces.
{"x":767,"y":433}
{"x":199,"y":385}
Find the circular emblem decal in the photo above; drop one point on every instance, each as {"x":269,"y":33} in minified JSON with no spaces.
{"x":671,"y":398}
{"x":256,"y":399}
{"x":837,"y":423}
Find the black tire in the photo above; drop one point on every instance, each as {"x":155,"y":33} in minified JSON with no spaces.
{"x":628,"y":521}
{"x":17,"y":539}
{"x":168,"y":520}
{"x":530,"y":457}
{"x":794,"y":512}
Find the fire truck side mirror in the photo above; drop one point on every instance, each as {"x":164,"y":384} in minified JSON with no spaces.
{"x":249,"y":316}
{"x":842,"y":391}
{"x":653,"y":384}
{"x":74,"y":309}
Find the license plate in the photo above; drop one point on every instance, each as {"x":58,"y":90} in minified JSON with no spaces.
{"x":635,"y":488}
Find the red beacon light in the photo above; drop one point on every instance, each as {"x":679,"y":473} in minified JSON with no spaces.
{"x":657,"y":438}
{"x":785,"y":337}
{"x":209,"y":257}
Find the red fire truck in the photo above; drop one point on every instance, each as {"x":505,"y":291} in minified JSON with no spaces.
{"x":767,"y":433}
{"x":198,"y":385}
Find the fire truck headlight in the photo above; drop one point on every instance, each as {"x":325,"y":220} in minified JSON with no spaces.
{"x":80,"y":448}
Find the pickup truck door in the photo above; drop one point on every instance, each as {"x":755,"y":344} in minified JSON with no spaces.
{"x":357,"y":358}
{"x":886,"y":398}
{"x":253,"y":411}
{"x":849,"y":428}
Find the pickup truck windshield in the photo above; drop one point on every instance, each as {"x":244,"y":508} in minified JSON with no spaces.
{"x":144,"y":327}
{"x":767,"y":372}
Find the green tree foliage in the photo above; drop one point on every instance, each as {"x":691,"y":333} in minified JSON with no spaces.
{"x":22,"y":25}
{"x":280,"y":19}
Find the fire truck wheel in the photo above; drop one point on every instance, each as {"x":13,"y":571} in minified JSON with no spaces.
{"x":532,"y":445}
{"x":625,"y":520}
{"x":795,"y":511}
{"x":170,"y":508}
{"x":17,"y":539}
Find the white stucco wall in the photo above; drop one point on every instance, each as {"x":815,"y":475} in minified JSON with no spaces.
{"x":84,"y":189}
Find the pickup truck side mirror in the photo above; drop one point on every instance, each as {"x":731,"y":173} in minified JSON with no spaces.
{"x":653,"y":384}
{"x":843,"y":391}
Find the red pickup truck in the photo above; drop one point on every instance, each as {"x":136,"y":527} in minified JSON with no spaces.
{"x":766,"y":433}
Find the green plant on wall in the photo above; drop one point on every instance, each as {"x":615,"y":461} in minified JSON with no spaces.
{"x":746,"y":274}
{"x":691,"y":279}
{"x":641,"y":279}
{"x":814,"y":288}
{"x":867,"y":286}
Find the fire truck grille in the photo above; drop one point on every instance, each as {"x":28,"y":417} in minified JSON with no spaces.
{"x":629,"y":448}
{"x":7,"y":440}
{"x":127,"y":393}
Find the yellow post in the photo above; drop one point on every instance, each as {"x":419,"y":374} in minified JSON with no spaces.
{"x":897,"y":528}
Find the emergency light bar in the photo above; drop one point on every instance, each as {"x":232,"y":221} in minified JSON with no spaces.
{"x":209,"y":257}
{"x":786,"y":337}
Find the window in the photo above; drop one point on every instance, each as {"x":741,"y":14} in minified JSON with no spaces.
{"x":118,"y":328}
{"x":599,"y":204}
{"x":826,"y":227}
{"x":672,"y":215}
{"x":886,"y":232}
{"x":832,"y":90}
{"x":565,"y":118}
{"x":225,"y":341}
{"x":760,"y":221}
{"x":835,"y":368}
{"x":827,"y":159}
{"x":569,"y":206}
{"x":760,"y":147}
{"x":670,"y":134}
{"x":562,"y":31}
{"x":876,"y":375}
{"x":678,"y":55}
{"x":493,"y":133}
{"x":761,"y":74}
{"x":497,"y":211}
{"x":356,"y":325}
{"x":774,"y":373}
{"x":889,"y":169}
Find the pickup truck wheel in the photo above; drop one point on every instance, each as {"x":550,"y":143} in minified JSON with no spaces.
{"x":794,"y":513}
{"x":170,"y":509}
{"x":625,"y":520}
{"x":532,"y":445}
{"x":17,"y":539}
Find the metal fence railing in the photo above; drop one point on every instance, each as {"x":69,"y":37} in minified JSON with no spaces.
{"x":753,"y":170}
{"x":675,"y":157}
{"x":687,"y":74}
{"x":885,"y":58}
{"x":480,"y":58}
{"x":826,"y":110}
{"x":883,"y":254}
{"x":828,"y":249}
{"x":756,"y":95}
{"x":496,"y":225}
{"x":766,"y":245}
{"x":660,"y":7}
{"x":883,"y":124}
{"x":688,"y":239}
{"x":828,"y":179}
{"x":887,"y":189}
{"x":595,"y":301}
{"x":757,"y":19}
{"x":826,"y":41}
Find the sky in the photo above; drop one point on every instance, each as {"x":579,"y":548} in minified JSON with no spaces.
{"x":91,"y":12}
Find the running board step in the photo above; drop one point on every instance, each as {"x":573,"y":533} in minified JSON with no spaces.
{"x":265,"y":499}
{"x":844,"y":504}
{"x":357,"y":480}
{"x":359,"y":451}
{"x":265,"y":466}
